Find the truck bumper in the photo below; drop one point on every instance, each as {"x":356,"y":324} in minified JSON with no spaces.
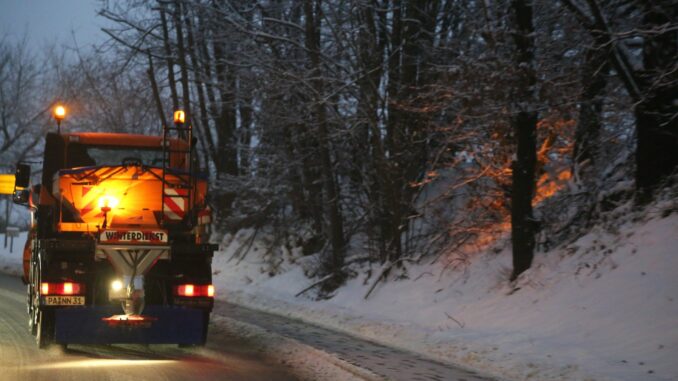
{"x":168,"y":325}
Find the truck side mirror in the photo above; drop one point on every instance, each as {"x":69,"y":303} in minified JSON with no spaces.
{"x":23,"y":175}
{"x":21,"y":196}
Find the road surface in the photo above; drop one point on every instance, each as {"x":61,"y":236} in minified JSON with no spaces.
{"x":21,"y":360}
{"x":235,"y":359}
{"x":390,"y":363}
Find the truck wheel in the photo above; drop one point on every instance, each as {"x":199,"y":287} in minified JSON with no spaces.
{"x":206,"y":324}
{"x":32,"y":326}
{"x":45,"y":329}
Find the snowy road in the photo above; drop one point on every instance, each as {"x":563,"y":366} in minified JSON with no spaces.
{"x":226,"y":356}
{"x":21,"y":360}
{"x":392,"y":364}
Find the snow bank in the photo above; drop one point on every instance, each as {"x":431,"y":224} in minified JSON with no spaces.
{"x":602,"y":308}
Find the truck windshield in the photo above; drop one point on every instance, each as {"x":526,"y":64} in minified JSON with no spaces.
{"x":84,"y":156}
{"x":115,"y":156}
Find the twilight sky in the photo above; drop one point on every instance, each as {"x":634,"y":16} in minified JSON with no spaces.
{"x":49,"y":21}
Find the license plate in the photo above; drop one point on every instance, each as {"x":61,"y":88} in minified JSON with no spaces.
{"x":64,"y":300}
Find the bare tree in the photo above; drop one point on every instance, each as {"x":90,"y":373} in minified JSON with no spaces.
{"x":26,"y":97}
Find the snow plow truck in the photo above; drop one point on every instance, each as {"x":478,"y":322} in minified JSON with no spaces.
{"x":117,"y":251}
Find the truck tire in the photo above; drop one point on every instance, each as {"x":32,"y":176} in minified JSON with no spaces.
{"x":32,"y":296}
{"x":206,"y":323}
{"x":32,"y":318}
{"x":44,"y":319}
{"x":45,"y":329}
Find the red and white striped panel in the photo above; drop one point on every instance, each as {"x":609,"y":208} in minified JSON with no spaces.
{"x":173,"y":205}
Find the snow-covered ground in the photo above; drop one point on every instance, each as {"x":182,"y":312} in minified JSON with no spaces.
{"x":602,"y":308}
{"x":10,"y":262}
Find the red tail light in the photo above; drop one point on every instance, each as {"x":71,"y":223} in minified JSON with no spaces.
{"x":195,"y":290}
{"x":65,"y":288}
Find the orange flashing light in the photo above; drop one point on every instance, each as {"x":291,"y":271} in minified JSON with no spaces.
{"x":59,"y":113}
{"x":179,"y":117}
{"x":106,"y":203}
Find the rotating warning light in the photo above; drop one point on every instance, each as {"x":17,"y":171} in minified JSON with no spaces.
{"x":59,"y":113}
{"x":179,"y":116}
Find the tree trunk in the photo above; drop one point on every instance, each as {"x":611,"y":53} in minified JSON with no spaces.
{"x":312,"y":11}
{"x":179,"y":18}
{"x":369,"y":161}
{"x":657,"y":112}
{"x":524,"y":125}
{"x":245,"y":135}
{"x":587,"y":132}
{"x":200,"y":76}
{"x":391,"y":192}
{"x":225,"y":122}
{"x":169,"y":57}
{"x":156,"y":92}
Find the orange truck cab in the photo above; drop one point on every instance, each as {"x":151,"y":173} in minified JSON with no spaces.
{"x":117,"y":253}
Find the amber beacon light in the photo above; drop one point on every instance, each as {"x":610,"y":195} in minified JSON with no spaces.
{"x":179,"y":117}
{"x":59,"y":114}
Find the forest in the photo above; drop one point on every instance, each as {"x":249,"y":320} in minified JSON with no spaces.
{"x":380,"y":131}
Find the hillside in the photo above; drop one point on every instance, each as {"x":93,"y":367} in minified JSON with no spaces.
{"x":601,"y":308}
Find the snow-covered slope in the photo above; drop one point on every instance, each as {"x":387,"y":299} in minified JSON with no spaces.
{"x":604,"y":307}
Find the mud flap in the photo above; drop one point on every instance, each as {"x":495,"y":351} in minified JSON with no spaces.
{"x":171,"y":325}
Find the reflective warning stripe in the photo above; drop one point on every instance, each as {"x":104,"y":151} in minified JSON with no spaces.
{"x":88,"y":199}
{"x":174,"y":206}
